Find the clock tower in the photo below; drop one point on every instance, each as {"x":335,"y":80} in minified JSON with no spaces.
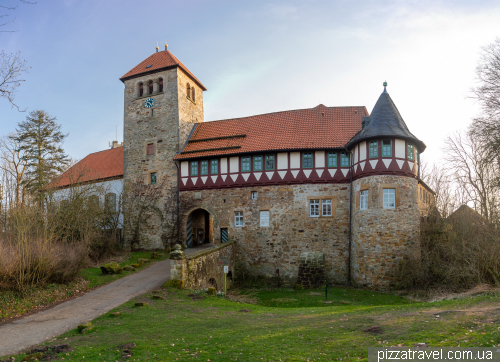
{"x":162,"y":101}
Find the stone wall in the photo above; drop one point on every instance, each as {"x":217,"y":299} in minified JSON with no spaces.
{"x":167,"y":126}
{"x":382,"y":237}
{"x":291,"y":231}
{"x":203,"y":268}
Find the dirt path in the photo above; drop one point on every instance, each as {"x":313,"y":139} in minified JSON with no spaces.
{"x":37,"y":328}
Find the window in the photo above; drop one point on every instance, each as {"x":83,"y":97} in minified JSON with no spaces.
{"x":204,"y":167}
{"x":151,"y":149}
{"x":344,"y":159}
{"x":245,"y":164}
{"x":386,"y":148}
{"x":314,"y":208}
{"x":188,"y":90}
{"x":264,"y":218}
{"x":110,"y":202}
{"x":307,"y":160}
{"x":150,"y":87}
{"x":238,"y":218}
{"x":332,"y":159}
{"x":269,"y":162}
{"x":141,"y":89}
{"x":193,"y":95}
{"x":94,"y":201}
{"x":389,"y":201}
{"x":410,"y":151}
{"x":257,"y":163}
{"x":363,"y":200}
{"x":327,"y":207}
{"x":160,"y":85}
{"x":194,"y":168}
{"x":254,"y":195}
{"x":373,"y":149}
{"x":214,"y":167}
{"x":152,"y":178}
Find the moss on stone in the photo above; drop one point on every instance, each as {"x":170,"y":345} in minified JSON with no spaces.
{"x":175,"y":283}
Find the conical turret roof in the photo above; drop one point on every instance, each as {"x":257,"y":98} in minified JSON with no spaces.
{"x":385,"y":121}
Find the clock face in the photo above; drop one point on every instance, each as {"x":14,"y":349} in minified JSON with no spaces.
{"x":150,"y":102}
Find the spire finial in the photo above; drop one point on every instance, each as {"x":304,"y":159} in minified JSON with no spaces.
{"x":166,"y":45}
{"x":157,"y":47}
{"x":385,"y":85}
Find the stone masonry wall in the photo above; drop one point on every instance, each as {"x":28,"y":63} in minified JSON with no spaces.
{"x":262,"y":250}
{"x":167,"y":125}
{"x":382,"y":237}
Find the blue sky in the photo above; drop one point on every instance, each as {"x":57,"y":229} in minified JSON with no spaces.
{"x":254,"y":57}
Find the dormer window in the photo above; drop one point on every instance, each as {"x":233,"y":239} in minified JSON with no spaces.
{"x":160,"y":85}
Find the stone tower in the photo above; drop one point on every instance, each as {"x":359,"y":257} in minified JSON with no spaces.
{"x":385,"y":211}
{"x":162,"y":101}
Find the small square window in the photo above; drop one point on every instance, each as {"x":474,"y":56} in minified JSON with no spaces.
{"x":238,"y":218}
{"x":373,"y":149}
{"x":214,"y":167}
{"x":257,"y":163}
{"x":307,"y":160}
{"x":254,"y":195}
{"x":153,"y":178}
{"x":264,"y":218}
{"x":363,"y":200}
{"x":194,"y":168}
{"x":332,"y":159}
{"x":151,"y":149}
{"x":386,"y":148}
{"x":314,"y":208}
{"x":389,"y":201}
{"x":245,"y":164}
{"x":327,"y":207}
{"x":270,"y":162}
{"x":344,"y":159}
{"x":410,"y":151}
{"x":204,"y":167}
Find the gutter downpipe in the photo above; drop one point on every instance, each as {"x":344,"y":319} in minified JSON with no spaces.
{"x":350,"y":221}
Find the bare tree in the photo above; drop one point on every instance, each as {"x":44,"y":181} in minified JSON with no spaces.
{"x":474,"y":173}
{"x":12,"y":70}
{"x":13,"y":164}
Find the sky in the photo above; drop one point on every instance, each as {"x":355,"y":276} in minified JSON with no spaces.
{"x":254,"y":57}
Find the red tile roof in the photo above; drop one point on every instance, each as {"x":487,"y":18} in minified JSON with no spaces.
{"x":314,"y":128}
{"x":96,"y":166}
{"x":159,"y":61}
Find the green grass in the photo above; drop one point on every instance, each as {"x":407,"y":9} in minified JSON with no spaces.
{"x":12,"y":304}
{"x":179,"y":328}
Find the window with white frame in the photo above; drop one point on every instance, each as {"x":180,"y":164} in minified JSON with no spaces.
{"x":238,"y":218}
{"x":363,"y":200}
{"x":389,"y":198}
{"x":314,"y":208}
{"x":254,"y":195}
{"x":327,"y":207}
{"x":264,"y":218}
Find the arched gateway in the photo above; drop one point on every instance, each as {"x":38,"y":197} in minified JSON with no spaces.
{"x":199,"y":228}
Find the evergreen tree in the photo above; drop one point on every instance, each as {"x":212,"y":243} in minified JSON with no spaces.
{"x":40,"y":138}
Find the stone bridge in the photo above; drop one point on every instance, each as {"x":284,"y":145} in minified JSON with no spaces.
{"x":203,"y":268}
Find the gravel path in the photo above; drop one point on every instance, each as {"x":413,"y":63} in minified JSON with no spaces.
{"x":37,"y":328}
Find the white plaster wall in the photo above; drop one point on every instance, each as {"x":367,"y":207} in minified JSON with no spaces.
{"x":282,"y":161}
{"x":320,"y":159}
{"x":234,"y":164}
{"x":99,"y":188}
{"x":294,"y":159}
{"x":400,"y":148}
{"x":185,"y":168}
{"x":362,"y":151}
{"x":223,"y":165}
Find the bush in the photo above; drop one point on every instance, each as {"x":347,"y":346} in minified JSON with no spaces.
{"x":459,"y":252}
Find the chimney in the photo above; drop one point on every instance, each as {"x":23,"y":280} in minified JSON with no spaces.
{"x":115,"y":144}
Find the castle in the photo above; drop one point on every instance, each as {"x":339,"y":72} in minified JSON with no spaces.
{"x":335,"y":181}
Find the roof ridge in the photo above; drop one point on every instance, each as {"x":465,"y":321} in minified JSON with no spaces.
{"x":291,"y":110}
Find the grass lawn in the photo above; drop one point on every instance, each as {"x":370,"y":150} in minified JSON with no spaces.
{"x":283,"y":325}
{"x":13,"y":305}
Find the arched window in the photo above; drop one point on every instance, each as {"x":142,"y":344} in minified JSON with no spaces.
{"x":193,"y":95}
{"x":150,"y":87}
{"x":188,"y":90}
{"x":141,"y":89}
{"x":110,"y":202}
{"x":93,"y":202}
{"x":160,"y":85}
